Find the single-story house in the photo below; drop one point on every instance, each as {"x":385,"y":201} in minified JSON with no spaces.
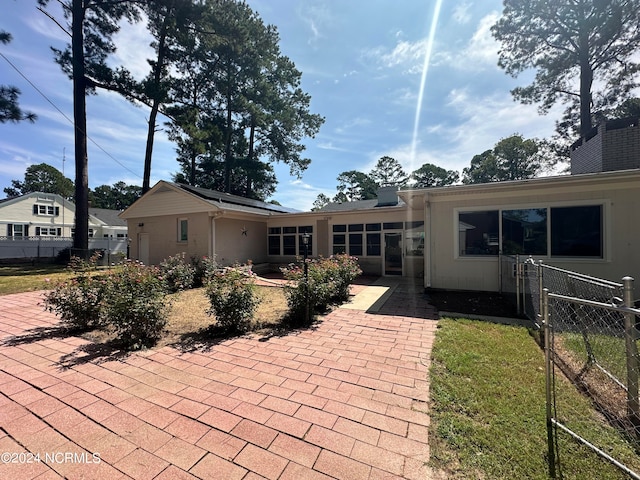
{"x":451,"y":237}
{"x":49,"y":215}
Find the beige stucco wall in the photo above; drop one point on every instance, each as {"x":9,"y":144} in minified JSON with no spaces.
{"x":232,"y":246}
{"x":163,"y":236}
{"x":620,"y":195}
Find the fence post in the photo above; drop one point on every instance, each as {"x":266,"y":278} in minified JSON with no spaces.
{"x":518,"y":302}
{"x":544,"y":306}
{"x":633,"y":408}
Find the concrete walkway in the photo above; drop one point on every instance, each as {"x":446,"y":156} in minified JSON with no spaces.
{"x":345,"y":399}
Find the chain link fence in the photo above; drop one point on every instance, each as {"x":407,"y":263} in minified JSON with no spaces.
{"x":589,"y":330}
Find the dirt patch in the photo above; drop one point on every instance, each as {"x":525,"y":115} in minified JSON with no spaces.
{"x":472,"y":303}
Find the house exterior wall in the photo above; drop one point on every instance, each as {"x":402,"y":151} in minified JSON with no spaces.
{"x":20,"y":212}
{"x":237,"y":241}
{"x":163,"y":236}
{"x":618,"y":195}
{"x":322,"y":241}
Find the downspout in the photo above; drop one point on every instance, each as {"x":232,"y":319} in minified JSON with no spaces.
{"x":427,"y":242}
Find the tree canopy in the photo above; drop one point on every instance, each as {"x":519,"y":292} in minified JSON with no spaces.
{"x":10,"y":110}
{"x":41,"y":178}
{"x":430,"y":175}
{"x":114,"y":197}
{"x":512,"y":158}
{"x":582,"y":51}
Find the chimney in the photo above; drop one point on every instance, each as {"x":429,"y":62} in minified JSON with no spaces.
{"x":387,"y":196}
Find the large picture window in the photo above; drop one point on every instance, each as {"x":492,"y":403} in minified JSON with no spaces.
{"x":288,"y":240}
{"x":577,"y":231}
{"x":524,"y":231}
{"x":573,"y":231}
{"x":479,"y":233}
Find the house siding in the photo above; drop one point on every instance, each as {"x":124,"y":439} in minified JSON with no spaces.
{"x":621,"y":206}
{"x":238,"y":241}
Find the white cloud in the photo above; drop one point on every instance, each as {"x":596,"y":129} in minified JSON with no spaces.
{"x":133,"y":48}
{"x":461,"y":13}
{"x":480,"y":52}
{"x":299,"y":195}
{"x":406,"y":55}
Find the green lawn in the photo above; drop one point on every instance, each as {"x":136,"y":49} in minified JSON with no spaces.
{"x":488,"y":410}
{"x":26,"y":278}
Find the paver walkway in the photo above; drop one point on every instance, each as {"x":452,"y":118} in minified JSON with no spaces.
{"x":346,"y":399}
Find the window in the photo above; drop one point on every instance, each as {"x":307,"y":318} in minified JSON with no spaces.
{"x":356,"y":227}
{"x":373,"y":227}
{"x":478,"y":233}
{"x":373,"y":245}
{"x":524,"y":231}
{"x":274,"y":245}
{"x":289,"y":245}
{"x":183,"y":230}
{"x":49,"y":210}
{"x":339,"y":243}
{"x":16,"y":230}
{"x":50,"y":232}
{"x":574,"y":231}
{"x":355,"y":244}
{"x":339,"y":228}
{"x":577,"y":231}
{"x":392,"y":225}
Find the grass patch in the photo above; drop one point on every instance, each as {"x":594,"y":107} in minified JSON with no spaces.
{"x":27,"y":278}
{"x":189,"y":326}
{"x":488,"y":410}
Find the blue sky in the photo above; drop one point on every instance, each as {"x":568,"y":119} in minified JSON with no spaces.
{"x":362,"y":62}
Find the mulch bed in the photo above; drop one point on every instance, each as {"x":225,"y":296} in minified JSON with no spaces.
{"x":472,"y":303}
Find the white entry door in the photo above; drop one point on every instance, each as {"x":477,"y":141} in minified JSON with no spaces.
{"x":143,"y":248}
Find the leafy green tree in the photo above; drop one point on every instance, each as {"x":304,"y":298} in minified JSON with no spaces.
{"x":116,"y":197}
{"x":320,"y":202}
{"x":593,"y":42}
{"x":512,"y":158}
{"x":10,"y":110}
{"x":389,"y":172}
{"x":429,"y":175}
{"x":354,"y":185}
{"x":240,"y":105}
{"x":91,"y":26}
{"x":41,"y":178}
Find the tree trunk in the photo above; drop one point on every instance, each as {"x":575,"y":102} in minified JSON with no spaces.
{"x":81,"y":237}
{"x":227,"y":153}
{"x":586,"y":81}
{"x":155,"y":106}
{"x":252,"y":132}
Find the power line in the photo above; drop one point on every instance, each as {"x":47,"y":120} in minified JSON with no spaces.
{"x":67,"y":118}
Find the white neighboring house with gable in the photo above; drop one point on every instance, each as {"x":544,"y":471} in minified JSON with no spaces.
{"x":47,"y":217}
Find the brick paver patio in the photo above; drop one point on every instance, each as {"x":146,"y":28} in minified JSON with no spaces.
{"x":346,"y":399}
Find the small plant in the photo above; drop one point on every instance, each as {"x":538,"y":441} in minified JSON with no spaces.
{"x":327,"y":282}
{"x":204,"y":269}
{"x":78,"y":301}
{"x":177,"y":274}
{"x":135,"y":304}
{"x":233,"y":299}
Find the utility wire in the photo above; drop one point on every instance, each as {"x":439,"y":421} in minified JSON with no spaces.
{"x":68,"y":119}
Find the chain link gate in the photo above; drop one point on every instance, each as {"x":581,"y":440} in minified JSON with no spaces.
{"x":588,"y":328}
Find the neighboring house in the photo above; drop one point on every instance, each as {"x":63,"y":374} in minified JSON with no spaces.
{"x":450,"y":236}
{"x":49,"y":215}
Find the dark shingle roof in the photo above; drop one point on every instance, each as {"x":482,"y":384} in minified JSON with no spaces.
{"x":234,"y":199}
{"x":110,"y":217}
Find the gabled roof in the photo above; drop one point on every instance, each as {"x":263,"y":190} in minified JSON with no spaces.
{"x":229,"y":199}
{"x":108,"y":217}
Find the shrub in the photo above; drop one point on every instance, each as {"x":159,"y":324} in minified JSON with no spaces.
{"x":327,"y":283}
{"x":178,"y":275}
{"x":78,"y":301}
{"x":135,"y":304}
{"x":204,"y":269}
{"x":233,"y":299}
